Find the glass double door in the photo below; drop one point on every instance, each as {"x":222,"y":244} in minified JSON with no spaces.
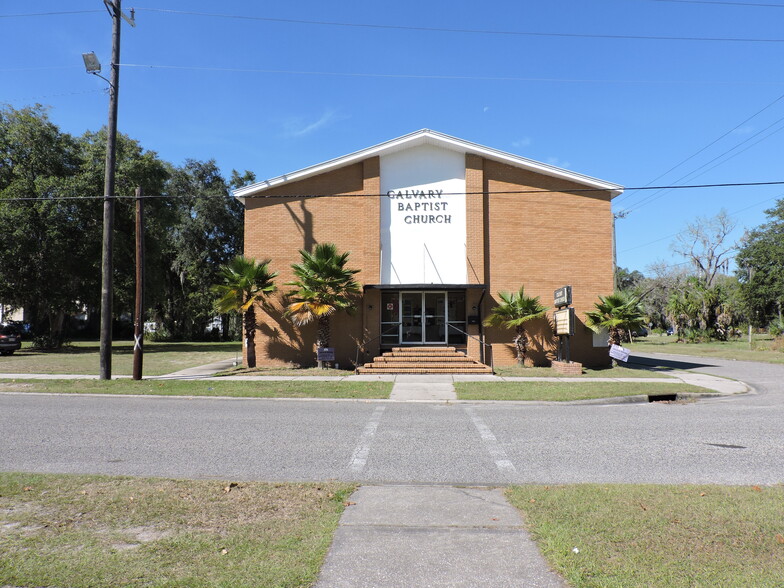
{"x":423,"y":317}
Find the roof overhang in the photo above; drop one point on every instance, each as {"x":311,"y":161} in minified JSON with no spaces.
{"x":439,"y":287}
{"x":428,"y":137}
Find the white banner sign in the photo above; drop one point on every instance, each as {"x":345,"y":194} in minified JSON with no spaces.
{"x":619,"y":353}
{"x":423,"y":217}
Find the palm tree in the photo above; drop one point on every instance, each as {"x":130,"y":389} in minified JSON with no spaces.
{"x":323,"y":286}
{"x":244,"y":283}
{"x":617,"y":313}
{"x":515,"y":310}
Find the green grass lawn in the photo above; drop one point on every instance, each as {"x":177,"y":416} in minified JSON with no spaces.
{"x":100,"y":531}
{"x":540,"y":391}
{"x":286,"y":371}
{"x":646,"y":535}
{"x":82,"y":357}
{"x":764,"y":348}
{"x":96,"y":531}
{"x":563,"y":392}
{"x":609,"y":372}
{"x":261,"y":389}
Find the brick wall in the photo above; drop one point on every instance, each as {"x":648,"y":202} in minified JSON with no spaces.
{"x":278,"y":226}
{"x":542,"y":241}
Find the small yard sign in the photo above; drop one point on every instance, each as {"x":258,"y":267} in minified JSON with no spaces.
{"x":325,"y":354}
{"x":619,"y":353}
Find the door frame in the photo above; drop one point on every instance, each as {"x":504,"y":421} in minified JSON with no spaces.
{"x":423,"y":317}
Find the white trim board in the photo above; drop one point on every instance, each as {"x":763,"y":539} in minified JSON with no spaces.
{"x":428,"y":137}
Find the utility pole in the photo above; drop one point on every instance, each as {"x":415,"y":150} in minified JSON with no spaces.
{"x":620,"y":214}
{"x":107,"y":267}
{"x":138,"y":319}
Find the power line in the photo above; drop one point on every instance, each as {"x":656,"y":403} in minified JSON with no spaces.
{"x":442,"y":29}
{"x":19,"y":99}
{"x":386,"y":194}
{"x":735,"y":128}
{"x":462,"y":31}
{"x":654,"y":197}
{"x":754,"y":4}
{"x":48,"y":13}
{"x":435,"y":76}
{"x":773,"y":132}
{"x":675,"y":234}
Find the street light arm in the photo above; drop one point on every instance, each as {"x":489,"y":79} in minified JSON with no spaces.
{"x":103,"y":78}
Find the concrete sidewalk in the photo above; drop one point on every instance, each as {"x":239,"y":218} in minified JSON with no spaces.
{"x":419,"y":387}
{"x":433,"y":536}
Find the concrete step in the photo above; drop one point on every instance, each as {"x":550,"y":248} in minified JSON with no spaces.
{"x":374,"y":370}
{"x":423,"y":349}
{"x":424,"y":365}
{"x":404,"y":358}
{"x":424,"y":360}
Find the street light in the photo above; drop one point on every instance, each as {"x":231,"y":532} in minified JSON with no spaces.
{"x":91,"y":63}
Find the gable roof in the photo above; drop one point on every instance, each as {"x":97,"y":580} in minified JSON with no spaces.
{"x":428,"y":137}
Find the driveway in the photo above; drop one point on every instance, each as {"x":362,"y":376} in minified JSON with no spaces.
{"x":766,"y":379}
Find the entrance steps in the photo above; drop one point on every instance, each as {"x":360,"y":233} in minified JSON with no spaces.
{"x":424,"y":360}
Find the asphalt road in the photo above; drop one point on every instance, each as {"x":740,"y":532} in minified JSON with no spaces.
{"x":735,"y":440}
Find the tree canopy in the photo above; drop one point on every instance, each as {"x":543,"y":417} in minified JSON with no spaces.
{"x":760,"y":262}
{"x":51,"y":187}
{"x":513,"y":312}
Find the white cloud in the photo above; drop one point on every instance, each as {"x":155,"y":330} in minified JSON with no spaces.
{"x":299,"y":127}
{"x":558,"y":162}
{"x":485,"y":109}
{"x":524,"y":142}
{"x":744,"y":130}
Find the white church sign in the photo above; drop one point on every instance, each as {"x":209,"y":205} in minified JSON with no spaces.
{"x":423,"y":217}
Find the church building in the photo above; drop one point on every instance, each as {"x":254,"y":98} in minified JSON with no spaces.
{"x":437,"y":226}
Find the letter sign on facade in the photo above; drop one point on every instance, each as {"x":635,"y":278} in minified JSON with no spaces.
{"x":423,"y":217}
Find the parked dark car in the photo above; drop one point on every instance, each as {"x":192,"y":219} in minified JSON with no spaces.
{"x":10,"y":339}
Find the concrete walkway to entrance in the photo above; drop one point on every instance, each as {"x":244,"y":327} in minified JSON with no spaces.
{"x":423,"y":387}
{"x":433,"y":536}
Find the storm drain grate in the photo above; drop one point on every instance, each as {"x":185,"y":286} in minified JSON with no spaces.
{"x":662,"y":397}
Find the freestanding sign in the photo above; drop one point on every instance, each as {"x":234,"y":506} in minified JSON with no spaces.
{"x":564,"y":321}
{"x":562,"y":296}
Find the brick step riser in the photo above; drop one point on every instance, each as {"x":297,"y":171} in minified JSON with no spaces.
{"x":420,"y":366}
{"x":429,"y":348}
{"x":424,"y":351}
{"x":368,"y":372}
{"x":457,"y":356}
{"x":419,"y":358}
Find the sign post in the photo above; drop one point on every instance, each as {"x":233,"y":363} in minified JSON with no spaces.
{"x":564,"y":321}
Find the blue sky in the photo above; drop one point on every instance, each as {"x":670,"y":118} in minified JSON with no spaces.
{"x":263,"y":93}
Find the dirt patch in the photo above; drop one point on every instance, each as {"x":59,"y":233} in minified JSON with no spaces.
{"x":16,"y":386}
{"x":145,"y":534}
